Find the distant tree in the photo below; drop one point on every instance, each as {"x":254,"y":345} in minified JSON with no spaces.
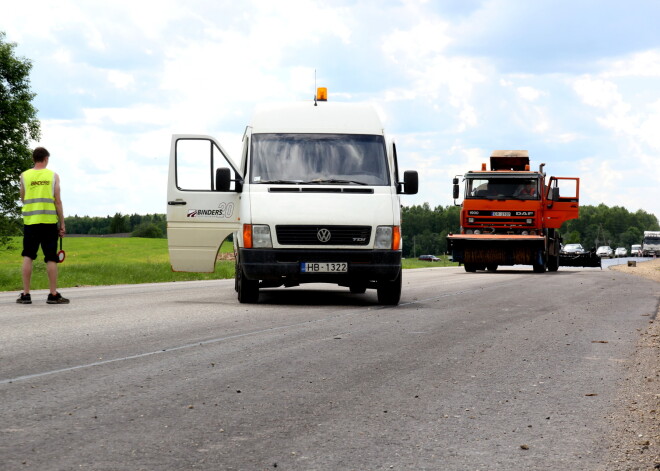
{"x":602,"y":225}
{"x":148,"y":230}
{"x":18,"y":126}
{"x":119,"y":224}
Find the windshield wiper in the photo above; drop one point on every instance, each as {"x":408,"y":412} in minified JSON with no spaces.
{"x":335,"y":181}
{"x":291,"y":182}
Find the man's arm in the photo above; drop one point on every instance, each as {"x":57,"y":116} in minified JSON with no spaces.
{"x":58,"y":205}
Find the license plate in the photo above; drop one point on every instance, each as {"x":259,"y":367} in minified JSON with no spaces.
{"x":323,"y":267}
{"x":500,"y":213}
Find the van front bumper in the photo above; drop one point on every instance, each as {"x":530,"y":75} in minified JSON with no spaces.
{"x":284,"y":265}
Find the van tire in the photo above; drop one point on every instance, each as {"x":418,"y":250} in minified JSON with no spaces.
{"x":389,"y":291}
{"x":248,"y":290}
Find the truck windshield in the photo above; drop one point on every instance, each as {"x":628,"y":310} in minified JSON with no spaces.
{"x":319,"y":159}
{"x":502,"y":188}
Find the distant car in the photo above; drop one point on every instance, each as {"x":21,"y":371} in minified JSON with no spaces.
{"x":621,"y":252}
{"x":636,"y":250}
{"x":605,"y":251}
{"x":428,"y":258}
{"x":573,"y":249}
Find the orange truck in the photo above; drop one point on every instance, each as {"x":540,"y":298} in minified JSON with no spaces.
{"x":511,"y":215}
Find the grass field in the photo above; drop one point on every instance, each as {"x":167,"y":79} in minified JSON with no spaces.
{"x":92,"y":261}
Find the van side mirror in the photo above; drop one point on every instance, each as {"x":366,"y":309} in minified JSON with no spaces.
{"x":410,"y":182}
{"x":222,"y":179}
{"x":456,"y":190}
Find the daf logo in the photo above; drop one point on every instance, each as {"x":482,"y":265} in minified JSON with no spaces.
{"x":323,"y":235}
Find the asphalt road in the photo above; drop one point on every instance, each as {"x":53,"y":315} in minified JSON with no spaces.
{"x":487,"y":371}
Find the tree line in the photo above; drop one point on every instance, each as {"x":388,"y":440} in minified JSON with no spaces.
{"x":425,"y":229}
{"x":149,"y":225}
{"x":602,"y":225}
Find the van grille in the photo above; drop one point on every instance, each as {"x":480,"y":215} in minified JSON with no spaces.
{"x":318,"y":235}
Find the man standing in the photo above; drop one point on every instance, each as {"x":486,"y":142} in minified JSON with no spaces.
{"x":42,"y":210}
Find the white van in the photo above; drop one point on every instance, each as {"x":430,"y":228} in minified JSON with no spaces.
{"x":315,"y":198}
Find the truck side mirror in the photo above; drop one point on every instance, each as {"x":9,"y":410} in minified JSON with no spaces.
{"x":554,"y":194}
{"x":410,"y":182}
{"x":222,"y":179}
{"x":456,"y":191}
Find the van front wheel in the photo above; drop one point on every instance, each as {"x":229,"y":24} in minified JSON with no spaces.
{"x":389,"y":291}
{"x":248,"y":290}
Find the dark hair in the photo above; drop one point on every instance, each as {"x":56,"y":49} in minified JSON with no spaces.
{"x":40,"y":154}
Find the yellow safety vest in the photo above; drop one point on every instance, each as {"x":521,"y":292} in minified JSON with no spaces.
{"x":39,"y":200}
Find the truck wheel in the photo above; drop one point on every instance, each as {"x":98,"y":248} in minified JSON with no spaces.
{"x":248,"y":290}
{"x":470,"y":267}
{"x":539,"y":268}
{"x":491,"y":267}
{"x":389,"y":292}
{"x":553,"y":263}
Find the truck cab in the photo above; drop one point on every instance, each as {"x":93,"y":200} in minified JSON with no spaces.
{"x":314,"y":198}
{"x":510,"y":214}
{"x":651,"y":244}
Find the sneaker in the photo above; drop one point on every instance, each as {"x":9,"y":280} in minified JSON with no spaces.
{"x":56,"y":299}
{"x":24,"y":299}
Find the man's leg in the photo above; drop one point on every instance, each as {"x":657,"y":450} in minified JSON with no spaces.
{"x":27,"y":274}
{"x":51,"y":269}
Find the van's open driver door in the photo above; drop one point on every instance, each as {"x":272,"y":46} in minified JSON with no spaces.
{"x":199,"y":217}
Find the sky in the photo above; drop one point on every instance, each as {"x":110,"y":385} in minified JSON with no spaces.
{"x":574,"y":82}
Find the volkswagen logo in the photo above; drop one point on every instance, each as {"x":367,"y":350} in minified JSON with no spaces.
{"x":323,"y":235}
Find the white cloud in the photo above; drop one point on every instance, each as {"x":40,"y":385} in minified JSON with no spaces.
{"x":120,"y":79}
{"x":529,"y":93}
{"x":642,"y":64}
{"x":598,"y":92}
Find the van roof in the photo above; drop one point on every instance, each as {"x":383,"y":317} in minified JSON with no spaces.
{"x":341,"y":118}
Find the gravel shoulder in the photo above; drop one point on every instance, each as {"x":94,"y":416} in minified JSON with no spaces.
{"x":635,"y":439}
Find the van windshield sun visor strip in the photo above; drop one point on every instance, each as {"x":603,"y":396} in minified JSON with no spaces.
{"x":321,"y":190}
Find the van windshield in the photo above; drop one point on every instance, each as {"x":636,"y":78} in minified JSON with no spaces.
{"x":319,"y":159}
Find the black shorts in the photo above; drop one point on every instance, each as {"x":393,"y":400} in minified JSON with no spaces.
{"x":45,"y":235}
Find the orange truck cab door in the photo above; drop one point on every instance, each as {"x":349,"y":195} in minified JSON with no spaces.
{"x":562,"y":198}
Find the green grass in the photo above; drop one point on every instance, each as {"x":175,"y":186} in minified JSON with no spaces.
{"x":92,"y":261}
{"x":414,"y":263}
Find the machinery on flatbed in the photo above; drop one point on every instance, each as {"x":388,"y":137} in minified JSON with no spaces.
{"x":510,"y":216}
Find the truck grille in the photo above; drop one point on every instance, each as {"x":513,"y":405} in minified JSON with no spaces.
{"x":323,"y":235}
{"x":495,"y":222}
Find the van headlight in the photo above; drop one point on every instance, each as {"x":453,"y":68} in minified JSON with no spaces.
{"x":261,"y":236}
{"x":383,"y":237}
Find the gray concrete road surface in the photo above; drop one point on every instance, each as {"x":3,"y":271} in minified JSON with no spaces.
{"x":486,"y":371}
